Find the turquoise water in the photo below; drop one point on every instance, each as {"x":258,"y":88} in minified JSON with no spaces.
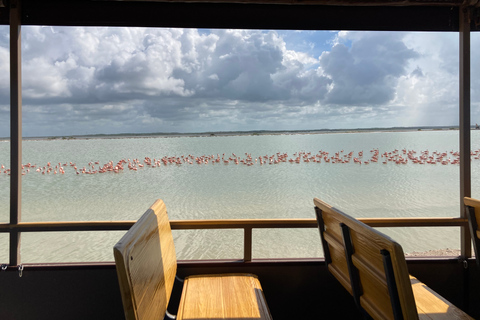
{"x":217,"y":190}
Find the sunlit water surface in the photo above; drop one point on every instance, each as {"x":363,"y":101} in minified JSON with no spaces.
{"x":230,"y":191}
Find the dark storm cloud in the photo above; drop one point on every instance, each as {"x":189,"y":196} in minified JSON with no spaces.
{"x":368,"y":72}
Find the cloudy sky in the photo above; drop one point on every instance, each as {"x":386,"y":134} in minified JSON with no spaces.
{"x":137,"y":80}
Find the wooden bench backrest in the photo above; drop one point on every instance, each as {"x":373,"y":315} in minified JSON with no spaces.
{"x":146,"y":265}
{"x":473,"y":213}
{"x":332,"y":241}
{"x":373,"y":257}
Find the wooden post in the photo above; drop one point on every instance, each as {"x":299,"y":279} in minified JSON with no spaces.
{"x":15,"y":128}
{"x":247,"y":244}
{"x":465,"y":166}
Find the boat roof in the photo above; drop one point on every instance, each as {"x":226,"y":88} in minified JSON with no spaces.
{"x":379,"y":15}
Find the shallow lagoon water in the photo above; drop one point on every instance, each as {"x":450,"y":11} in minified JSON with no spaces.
{"x":229,"y":191}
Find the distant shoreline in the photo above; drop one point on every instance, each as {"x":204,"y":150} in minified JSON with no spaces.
{"x":435,"y":253}
{"x":233,"y":133}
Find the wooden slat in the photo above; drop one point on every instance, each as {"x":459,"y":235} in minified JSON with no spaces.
{"x":334,"y":242}
{"x":374,"y":272}
{"x":415,"y":222}
{"x":223,"y":296}
{"x":146,"y":265}
{"x":471,"y":202}
{"x":431,"y":305}
{"x":341,"y":274}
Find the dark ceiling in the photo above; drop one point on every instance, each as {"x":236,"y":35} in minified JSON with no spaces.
{"x":240,"y":15}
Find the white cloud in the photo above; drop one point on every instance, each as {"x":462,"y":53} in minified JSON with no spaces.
{"x":111,"y":80}
{"x":430,"y":89}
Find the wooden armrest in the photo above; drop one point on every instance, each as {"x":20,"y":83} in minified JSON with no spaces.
{"x":223,"y":296}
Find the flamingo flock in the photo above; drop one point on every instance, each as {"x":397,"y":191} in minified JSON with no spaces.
{"x":398,"y":157}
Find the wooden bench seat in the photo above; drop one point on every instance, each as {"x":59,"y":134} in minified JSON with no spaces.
{"x":372,"y":267}
{"x":146,"y":267}
{"x":205,"y":297}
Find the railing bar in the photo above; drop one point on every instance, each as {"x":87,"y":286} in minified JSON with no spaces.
{"x":67,"y":226}
{"x":226,"y":224}
{"x":229,"y":224}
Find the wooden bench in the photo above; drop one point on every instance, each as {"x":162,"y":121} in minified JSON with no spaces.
{"x":472,"y":207}
{"x":372,"y":267}
{"x":146,"y":267}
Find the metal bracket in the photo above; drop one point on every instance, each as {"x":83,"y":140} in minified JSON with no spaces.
{"x":20,"y":271}
{"x":473,"y":226}
{"x":4,"y":267}
{"x":392,"y":285}
{"x":352,"y":270}
{"x":321,"y":228}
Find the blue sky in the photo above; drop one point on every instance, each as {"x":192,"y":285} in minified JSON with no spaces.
{"x":138,"y":80}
